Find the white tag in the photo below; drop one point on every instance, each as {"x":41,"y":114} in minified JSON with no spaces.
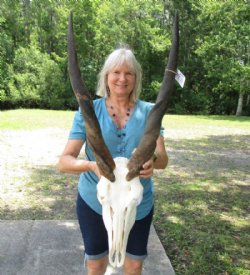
{"x":180,"y":78}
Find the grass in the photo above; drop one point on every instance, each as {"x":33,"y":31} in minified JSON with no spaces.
{"x":26,"y":119}
{"x":201,"y":200}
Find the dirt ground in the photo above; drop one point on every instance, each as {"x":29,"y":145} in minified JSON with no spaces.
{"x":29,"y":181}
{"x":32,"y":188}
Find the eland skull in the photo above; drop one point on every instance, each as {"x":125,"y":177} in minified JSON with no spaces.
{"x":119,"y":200}
{"x":119,"y":189}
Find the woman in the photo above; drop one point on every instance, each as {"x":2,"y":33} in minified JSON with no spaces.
{"x":122,"y":118}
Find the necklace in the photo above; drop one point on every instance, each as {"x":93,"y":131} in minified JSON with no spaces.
{"x":120,"y":118}
{"x":114,"y":115}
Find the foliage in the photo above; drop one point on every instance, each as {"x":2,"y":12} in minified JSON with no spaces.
{"x":4,"y":74}
{"x":225,"y":52}
{"x":36,"y":80}
{"x":214,"y":49}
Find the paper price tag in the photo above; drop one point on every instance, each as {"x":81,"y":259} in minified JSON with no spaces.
{"x":180,"y":78}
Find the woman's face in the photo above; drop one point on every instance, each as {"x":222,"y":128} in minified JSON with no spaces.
{"x":121,"y":81}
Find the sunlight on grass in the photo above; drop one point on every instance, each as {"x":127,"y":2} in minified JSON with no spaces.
{"x":29,"y":119}
{"x":202,"y":198}
{"x":236,"y":220}
{"x":187,"y":121}
{"x":175,"y":219}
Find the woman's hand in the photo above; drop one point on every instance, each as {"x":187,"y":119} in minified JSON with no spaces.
{"x":148,"y":169}
{"x":69,"y":163}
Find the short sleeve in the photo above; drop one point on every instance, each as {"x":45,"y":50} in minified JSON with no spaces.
{"x":78,"y":130}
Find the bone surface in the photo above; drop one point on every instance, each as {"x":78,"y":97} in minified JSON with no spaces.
{"x":119,"y":200}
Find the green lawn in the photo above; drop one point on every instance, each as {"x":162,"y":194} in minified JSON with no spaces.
{"x":202,"y":199}
{"x":26,"y":119}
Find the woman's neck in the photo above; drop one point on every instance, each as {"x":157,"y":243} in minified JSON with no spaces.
{"x":119,"y":102}
{"x":120,"y":110}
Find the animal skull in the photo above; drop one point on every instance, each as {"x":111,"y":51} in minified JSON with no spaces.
{"x":119,"y":200}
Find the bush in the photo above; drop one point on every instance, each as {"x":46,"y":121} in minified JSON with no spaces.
{"x":35,"y":81}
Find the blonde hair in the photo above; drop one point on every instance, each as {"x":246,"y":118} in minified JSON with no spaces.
{"x":115,"y":59}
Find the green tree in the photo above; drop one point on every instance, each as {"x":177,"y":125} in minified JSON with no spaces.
{"x":193,"y":98}
{"x":140,"y":25}
{"x":214,"y":48}
{"x":36,"y":80}
{"x":5,"y":44}
{"x":225,"y":52}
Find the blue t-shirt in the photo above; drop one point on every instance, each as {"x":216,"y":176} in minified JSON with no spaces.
{"x":121,"y":143}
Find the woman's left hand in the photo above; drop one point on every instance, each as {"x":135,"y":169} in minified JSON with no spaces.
{"x":148,"y":169}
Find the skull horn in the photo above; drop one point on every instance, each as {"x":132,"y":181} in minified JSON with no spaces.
{"x":147,"y":145}
{"x":103,"y":157}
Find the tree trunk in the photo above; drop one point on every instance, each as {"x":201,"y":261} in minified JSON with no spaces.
{"x":26,"y":16}
{"x":240,"y":105}
{"x":248,"y":99}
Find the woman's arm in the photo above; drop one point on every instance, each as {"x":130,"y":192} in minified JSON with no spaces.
{"x":158,"y":161}
{"x":69,"y":163}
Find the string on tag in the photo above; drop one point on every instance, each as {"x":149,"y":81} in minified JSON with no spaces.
{"x":171,"y":71}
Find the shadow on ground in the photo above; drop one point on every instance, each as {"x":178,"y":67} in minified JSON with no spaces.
{"x":202,"y":205}
{"x":47,"y":194}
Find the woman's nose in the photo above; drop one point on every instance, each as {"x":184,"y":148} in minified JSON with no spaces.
{"x":122,"y":77}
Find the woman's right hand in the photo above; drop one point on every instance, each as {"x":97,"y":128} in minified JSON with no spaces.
{"x":69,"y":163}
